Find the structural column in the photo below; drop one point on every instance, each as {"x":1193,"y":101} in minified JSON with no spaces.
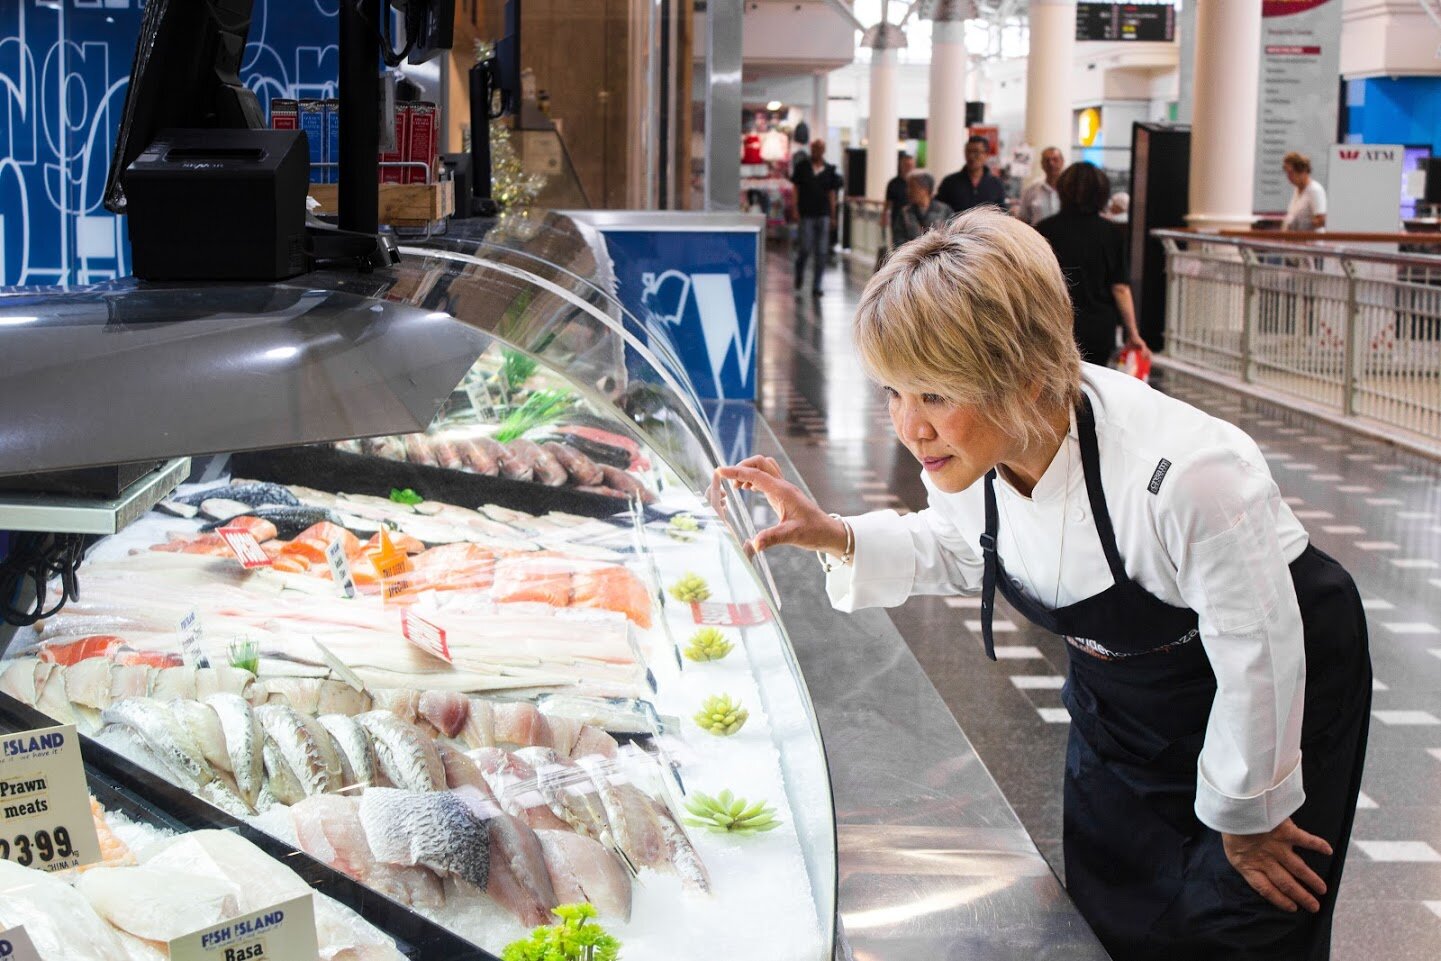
{"x":946,"y":120}
{"x":1223,"y":115}
{"x":1048,"y":75}
{"x":884,"y":123}
{"x":820,"y":116}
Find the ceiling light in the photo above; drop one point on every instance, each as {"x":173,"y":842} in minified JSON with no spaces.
{"x":774,"y":105}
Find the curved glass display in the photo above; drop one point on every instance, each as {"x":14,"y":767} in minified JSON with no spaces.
{"x":448,"y":610}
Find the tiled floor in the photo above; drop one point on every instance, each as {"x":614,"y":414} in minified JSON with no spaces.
{"x":1376,"y":510}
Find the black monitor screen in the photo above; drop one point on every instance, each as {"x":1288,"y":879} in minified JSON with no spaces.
{"x":186,"y":74}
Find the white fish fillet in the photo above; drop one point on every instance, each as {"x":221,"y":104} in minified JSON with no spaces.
{"x":405,"y":755}
{"x":581,"y":869}
{"x":155,"y":904}
{"x":261,"y":881}
{"x":243,"y":740}
{"x":58,"y":919}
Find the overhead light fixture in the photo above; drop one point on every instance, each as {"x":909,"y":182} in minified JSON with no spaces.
{"x":774,"y":105}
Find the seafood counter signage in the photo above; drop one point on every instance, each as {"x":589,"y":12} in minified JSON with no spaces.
{"x":285,"y":932}
{"x":15,"y":945}
{"x":425,"y":635}
{"x":247,"y":549}
{"x":45,"y":820}
{"x":720,"y":614}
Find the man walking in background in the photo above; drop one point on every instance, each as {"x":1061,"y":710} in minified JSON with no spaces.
{"x":817,"y":184}
{"x":1040,"y":200}
{"x":973,"y":184}
{"x":897,"y":197}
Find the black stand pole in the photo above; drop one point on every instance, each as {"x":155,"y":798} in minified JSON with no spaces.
{"x":482,"y":85}
{"x":359,"y":117}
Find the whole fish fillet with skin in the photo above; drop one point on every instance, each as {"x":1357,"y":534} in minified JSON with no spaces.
{"x":406,"y":757}
{"x":519,"y":878}
{"x":434,"y":829}
{"x":243,"y":743}
{"x":328,"y":828}
{"x":306,"y":751}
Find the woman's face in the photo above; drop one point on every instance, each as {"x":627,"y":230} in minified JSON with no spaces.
{"x":953,"y":442}
{"x":1296,"y":177}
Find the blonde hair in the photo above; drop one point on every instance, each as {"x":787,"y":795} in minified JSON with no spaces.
{"x":976,"y":311}
{"x":1298,"y":162}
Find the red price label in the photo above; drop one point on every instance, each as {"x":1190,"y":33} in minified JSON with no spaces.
{"x":247,"y":549}
{"x":717,"y":614}
{"x":424,"y":635}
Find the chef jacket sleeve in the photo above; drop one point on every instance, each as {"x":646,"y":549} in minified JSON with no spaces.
{"x":898,"y":556}
{"x":1218,"y":519}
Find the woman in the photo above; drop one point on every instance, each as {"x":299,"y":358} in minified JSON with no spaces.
{"x":923,"y":211}
{"x":1307,"y":210}
{"x":1210,"y":779}
{"x":1092,"y":253}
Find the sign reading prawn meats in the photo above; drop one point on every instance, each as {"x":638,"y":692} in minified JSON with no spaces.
{"x":285,"y":932}
{"x":45,"y":820}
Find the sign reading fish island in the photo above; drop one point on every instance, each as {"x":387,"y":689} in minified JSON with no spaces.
{"x":15,"y":945}
{"x":284,"y":932}
{"x":45,"y":820}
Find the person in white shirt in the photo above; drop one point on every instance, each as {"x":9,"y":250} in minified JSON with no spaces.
{"x":1220,"y":677}
{"x":1040,"y":199}
{"x":1307,"y":210}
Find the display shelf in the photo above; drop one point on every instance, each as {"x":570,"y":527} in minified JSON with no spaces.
{"x":61,"y":514}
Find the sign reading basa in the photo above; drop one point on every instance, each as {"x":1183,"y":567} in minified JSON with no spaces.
{"x":45,"y":820}
{"x":285,"y":932}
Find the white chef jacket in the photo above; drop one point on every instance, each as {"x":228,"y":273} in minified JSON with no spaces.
{"x":1210,"y":532}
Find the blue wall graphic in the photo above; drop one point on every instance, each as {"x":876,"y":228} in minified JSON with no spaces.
{"x":698,"y":289}
{"x":64,"y":70}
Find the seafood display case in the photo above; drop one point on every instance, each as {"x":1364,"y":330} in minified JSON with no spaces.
{"x":446,"y":617}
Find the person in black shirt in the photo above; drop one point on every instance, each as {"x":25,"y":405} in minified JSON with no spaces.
{"x":814,"y":199}
{"x":897,"y":197}
{"x":973,"y":184}
{"x":1092,"y":254}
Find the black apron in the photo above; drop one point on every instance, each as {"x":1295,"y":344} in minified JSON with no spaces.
{"x":1152,"y":880}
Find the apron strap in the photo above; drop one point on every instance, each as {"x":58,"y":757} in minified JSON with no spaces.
{"x":988,"y":576}
{"x":1091,"y":468}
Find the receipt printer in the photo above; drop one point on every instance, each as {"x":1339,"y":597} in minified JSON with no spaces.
{"x":219,"y":204}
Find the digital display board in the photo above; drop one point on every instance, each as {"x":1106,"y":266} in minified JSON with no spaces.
{"x":1154,"y":22}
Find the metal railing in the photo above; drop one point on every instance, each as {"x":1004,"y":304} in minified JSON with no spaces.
{"x":1352,"y":329}
{"x":867,"y":235}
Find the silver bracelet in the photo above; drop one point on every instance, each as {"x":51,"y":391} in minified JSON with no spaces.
{"x":845,"y":558}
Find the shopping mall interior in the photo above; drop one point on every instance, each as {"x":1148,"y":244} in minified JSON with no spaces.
{"x":380,"y":503}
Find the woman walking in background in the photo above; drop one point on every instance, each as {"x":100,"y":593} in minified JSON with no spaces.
{"x":1092,"y":254}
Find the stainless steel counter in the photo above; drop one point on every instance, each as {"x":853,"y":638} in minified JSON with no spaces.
{"x":933,"y":862}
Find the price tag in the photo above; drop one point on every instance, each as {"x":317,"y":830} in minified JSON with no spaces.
{"x":285,"y":932}
{"x":15,"y":945}
{"x":45,"y":820}
{"x":718,"y":614}
{"x":247,"y":549}
{"x":190,"y":648}
{"x":340,"y":567}
{"x":424,"y":635}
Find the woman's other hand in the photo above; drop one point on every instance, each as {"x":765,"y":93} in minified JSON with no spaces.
{"x":802,"y":523}
{"x":1270,"y":864}
{"x":1135,"y":341}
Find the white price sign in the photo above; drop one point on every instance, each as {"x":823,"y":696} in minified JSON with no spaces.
{"x":190,"y":635}
{"x":340,"y":567}
{"x":15,"y":945}
{"x":45,"y":820}
{"x":285,"y":932}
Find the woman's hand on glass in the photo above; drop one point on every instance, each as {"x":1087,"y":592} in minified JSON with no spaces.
{"x":801,"y":522}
